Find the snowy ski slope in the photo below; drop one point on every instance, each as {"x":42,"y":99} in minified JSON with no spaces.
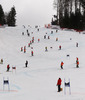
{"x":38,"y":80}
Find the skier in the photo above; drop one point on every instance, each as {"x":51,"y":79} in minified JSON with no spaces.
{"x":62,"y":65}
{"x":59,"y":84}
{"x":48,"y":37}
{"x":27,"y":31}
{"x":8,"y":67}
{"x":46,"y":49}
{"x":1,"y":61}
{"x":23,"y":26}
{"x":56,"y":31}
{"x":76,"y":59}
{"x":32,"y":53}
{"x":56,"y":39}
{"x":38,"y":40}
{"x":76,"y":44}
{"x":38,"y":29}
{"x":24,"y":49}
{"x":32,"y":39}
{"x":77,"y":64}
{"x":22,"y":33}
{"x":28,"y":44}
{"x":60,"y":47}
{"x":70,"y":38}
{"x":44,"y":36}
{"x":21,"y":48}
{"x":26,"y":63}
{"x":51,"y":32}
{"x":28,"y":34}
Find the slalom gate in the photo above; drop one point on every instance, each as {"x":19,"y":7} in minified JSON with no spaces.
{"x":13,"y":68}
{"x":6,"y":82}
{"x":67,"y":84}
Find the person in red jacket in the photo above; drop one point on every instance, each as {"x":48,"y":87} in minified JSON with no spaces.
{"x":21,"y":48}
{"x":77,"y":64}
{"x":32,"y":53}
{"x":77,"y":60}
{"x":59,"y":84}
{"x":60,"y":47}
{"x":24,"y":49}
{"x":62,"y":65}
{"x":38,"y":40}
{"x":8,"y":67}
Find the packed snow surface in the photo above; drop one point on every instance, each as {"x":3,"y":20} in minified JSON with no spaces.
{"x":38,"y":81}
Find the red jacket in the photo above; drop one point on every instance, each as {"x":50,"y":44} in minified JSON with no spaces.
{"x":59,"y":81}
{"x":77,"y":62}
{"x":62,"y":63}
{"x":32,"y":52}
{"x":77,"y":59}
{"x":7,"y":66}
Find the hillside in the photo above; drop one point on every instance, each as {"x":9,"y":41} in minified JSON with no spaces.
{"x":38,"y":81}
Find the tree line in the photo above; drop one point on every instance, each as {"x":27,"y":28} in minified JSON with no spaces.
{"x":70,"y":14}
{"x":8,"y":18}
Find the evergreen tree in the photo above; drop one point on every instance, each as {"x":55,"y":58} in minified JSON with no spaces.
{"x":78,"y":19}
{"x":5,"y":17}
{"x":83,"y":3}
{"x":83,"y":19}
{"x":66,"y":19}
{"x":71,"y":13}
{"x":72,"y":21}
{"x":1,"y":15}
{"x":11,"y":21}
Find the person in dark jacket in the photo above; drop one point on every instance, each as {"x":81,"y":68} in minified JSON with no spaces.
{"x":76,"y":44}
{"x":26,"y":63}
{"x":59,"y":84}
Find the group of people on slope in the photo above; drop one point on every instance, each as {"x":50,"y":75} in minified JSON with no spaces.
{"x":77,"y":63}
{"x":8,"y":66}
